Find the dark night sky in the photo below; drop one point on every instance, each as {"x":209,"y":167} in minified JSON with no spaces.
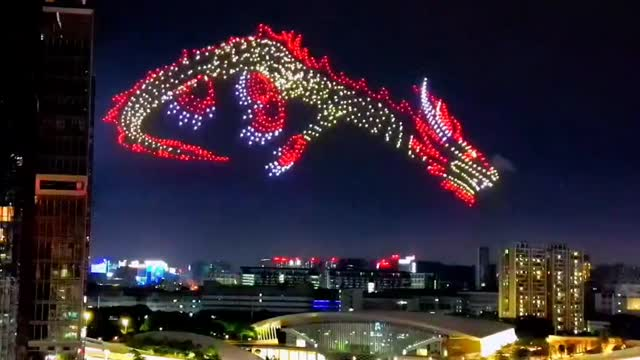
{"x":551,"y":88}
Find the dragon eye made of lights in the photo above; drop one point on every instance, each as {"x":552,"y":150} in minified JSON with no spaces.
{"x":266,"y":108}
{"x":269,"y":69}
{"x":191,"y":107}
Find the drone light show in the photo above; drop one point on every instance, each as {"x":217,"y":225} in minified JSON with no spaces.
{"x":269,"y":69}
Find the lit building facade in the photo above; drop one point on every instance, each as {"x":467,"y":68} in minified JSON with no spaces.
{"x":54,"y":253}
{"x":523,"y":282}
{"x":279,"y":276}
{"x":566,"y":288}
{"x":543,"y":282}
{"x":213,"y":297}
{"x":371,"y":280}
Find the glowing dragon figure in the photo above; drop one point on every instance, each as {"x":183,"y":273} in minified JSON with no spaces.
{"x":272,"y":68}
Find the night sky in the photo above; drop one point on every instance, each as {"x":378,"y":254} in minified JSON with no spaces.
{"x":549,"y":90}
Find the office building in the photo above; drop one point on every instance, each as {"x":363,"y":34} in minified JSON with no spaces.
{"x":418,"y":280}
{"x":371,"y":280}
{"x":350,"y":264}
{"x":291,"y":262}
{"x":408,"y":264}
{"x":55,"y":228}
{"x":131,"y":273}
{"x":423,"y":300}
{"x":213,"y":297}
{"x":279,"y":276}
{"x":606,"y":276}
{"x":543,"y":282}
{"x":444,"y":276}
{"x":622,"y":299}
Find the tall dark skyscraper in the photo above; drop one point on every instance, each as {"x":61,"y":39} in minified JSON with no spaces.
{"x":47,"y":181}
{"x":482,"y":268}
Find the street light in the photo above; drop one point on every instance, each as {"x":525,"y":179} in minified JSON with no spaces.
{"x":87,"y":315}
{"x":125,"y":323}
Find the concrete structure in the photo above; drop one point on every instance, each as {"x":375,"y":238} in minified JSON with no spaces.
{"x":389,"y":333}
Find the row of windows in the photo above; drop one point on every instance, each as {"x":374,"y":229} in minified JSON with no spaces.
{"x":66,"y":165}
{"x":62,"y":122}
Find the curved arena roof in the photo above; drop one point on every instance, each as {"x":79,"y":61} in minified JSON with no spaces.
{"x":443,"y":324}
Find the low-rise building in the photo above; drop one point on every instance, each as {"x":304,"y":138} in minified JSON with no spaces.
{"x":622,"y":299}
{"x":371,"y":280}
{"x":424,"y":300}
{"x":213,"y":297}
{"x":279,"y":276}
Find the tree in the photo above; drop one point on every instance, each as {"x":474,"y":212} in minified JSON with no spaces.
{"x":211,"y":353}
{"x":239,"y":331}
{"x":136,"y":355}
{"x":146,"y":325}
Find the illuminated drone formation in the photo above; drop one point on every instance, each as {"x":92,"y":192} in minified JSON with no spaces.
{"x":270,"y":69}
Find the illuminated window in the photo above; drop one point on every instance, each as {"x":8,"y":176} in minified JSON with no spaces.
{"x":633,"y":304}
{"x":6,"y":213}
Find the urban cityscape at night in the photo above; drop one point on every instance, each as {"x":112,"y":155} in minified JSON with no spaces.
{"x":319,"y":181}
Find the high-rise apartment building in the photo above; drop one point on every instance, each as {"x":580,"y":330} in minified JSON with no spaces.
{"x":523,"y":282}
{"x":543,"y":282}
{"x":54,"y":211}
{"x":566,"y":288}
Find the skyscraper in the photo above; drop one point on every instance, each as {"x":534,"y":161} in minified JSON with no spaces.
{"x":543,"y":282}
{"x":482,"y":268}
{"x":55,"y":227}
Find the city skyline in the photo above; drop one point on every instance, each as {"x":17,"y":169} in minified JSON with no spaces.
{"x":552,"y":140}
{"x":257,"y":180}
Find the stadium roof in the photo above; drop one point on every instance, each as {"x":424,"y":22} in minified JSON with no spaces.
{"x":444,"y":324}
